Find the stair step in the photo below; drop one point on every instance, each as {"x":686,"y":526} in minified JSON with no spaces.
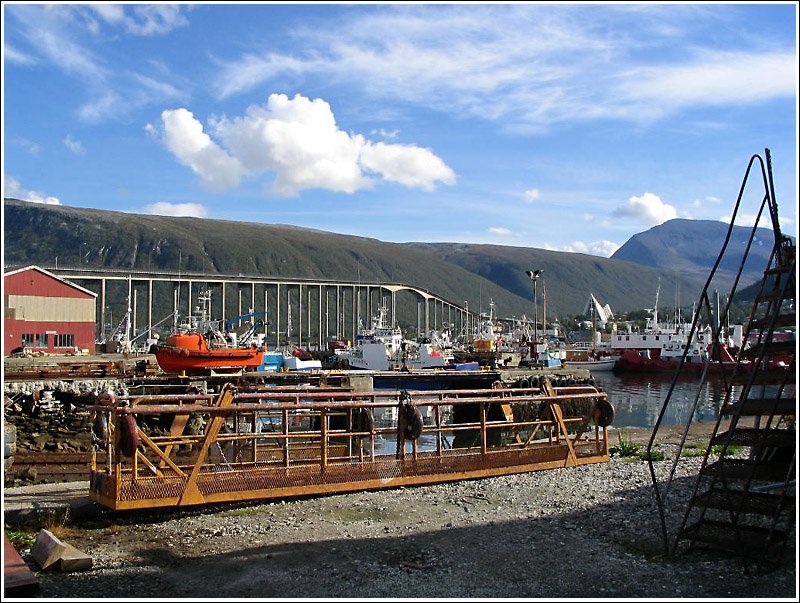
{"x":757,"y":503}
{"x":779,"y":269}
{"x":773,"y":347}
{"x":782,"y":320}
{"x":745,"y":469}
{"x":774,"y":295}
{"x":749,"y":436}
{"x":752,"y":407}
{"x":772,"y":376}
{"x":750,"y":541}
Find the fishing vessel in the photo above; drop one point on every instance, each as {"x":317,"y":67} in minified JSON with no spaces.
{"x":382,"y":347}
{"x":199,"y":346}
{"x":662,"y":347}
{"x":374,"y":346}
{"x":489,"y":346}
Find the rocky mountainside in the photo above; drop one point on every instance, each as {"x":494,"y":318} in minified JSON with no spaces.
{"x":690,"y":248}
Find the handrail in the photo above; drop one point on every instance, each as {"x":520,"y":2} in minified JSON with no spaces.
{"x":704,"y":303}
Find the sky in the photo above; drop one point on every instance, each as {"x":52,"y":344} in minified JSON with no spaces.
{"x":564,"y":126}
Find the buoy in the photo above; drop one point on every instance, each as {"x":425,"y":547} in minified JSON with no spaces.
{"x":412,"y":427}
{"x":128,"y":436}
{"x":409,"y":420}
{"x":362,"y":421}
{"x":603,"y":412}
{"x":100,"y":429}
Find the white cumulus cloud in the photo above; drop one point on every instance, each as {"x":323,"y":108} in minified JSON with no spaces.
{"x":408,"y":165}
{"x":186,"y":140}
{"x":163,"y":208}
{"x":14,"y":190}
{"x":299,"y":141}
{"x":648,"y":209}
{"x":499,"y":230}
{"x":602,"y":248}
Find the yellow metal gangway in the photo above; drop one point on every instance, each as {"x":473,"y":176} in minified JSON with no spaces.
{"x":261,"y":445}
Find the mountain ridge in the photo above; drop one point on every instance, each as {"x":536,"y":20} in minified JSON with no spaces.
{"x":475,"y":273}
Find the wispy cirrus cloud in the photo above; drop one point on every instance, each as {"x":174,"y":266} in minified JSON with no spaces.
{"x":13,"y":55}
{"x":532,"y":194}
{"x":30,"y":146}
{"x":74,"y":145}
{"x":534,"y":66}
{"x":63,"y":36}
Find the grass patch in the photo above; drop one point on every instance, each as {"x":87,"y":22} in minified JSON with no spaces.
{"x":624,"y":448}
{"x":631,"y":451}
{"x":21,"y":540}
{"x":694,"y":450}
{"x":653,"y":455}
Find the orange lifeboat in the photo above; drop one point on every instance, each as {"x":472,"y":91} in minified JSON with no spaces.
{"x":189,"y":353}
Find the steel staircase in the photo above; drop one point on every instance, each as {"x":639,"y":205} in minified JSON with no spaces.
{"x":743,"y":499}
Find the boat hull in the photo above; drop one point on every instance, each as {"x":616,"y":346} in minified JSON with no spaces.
{"x":186,"y":361}
{"x":632,"y":361}
{"x":592,"y":365}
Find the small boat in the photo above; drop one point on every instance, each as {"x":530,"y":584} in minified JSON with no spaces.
{"x":199,"y":347}
{"x":297,"y":359}
{"x":593,"y":364}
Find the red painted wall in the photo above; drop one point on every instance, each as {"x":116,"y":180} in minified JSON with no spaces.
{"x":36,"y":283}
{"x":13,"y":330}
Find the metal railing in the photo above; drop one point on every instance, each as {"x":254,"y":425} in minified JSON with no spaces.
{"x":188,"y":449}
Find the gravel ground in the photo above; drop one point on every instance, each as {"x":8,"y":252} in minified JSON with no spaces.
{"x":584,"y":532}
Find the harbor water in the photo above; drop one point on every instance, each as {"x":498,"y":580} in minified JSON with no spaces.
{"x":638,"y":398}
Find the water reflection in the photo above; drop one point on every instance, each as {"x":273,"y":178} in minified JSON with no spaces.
{"x":638,"y":399}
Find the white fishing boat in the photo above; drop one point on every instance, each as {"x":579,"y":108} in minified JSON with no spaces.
{"x":374,"y":347}
{"x":383,"y":348}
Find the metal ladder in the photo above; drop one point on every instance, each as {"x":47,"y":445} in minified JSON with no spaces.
{"x":743,"y":498}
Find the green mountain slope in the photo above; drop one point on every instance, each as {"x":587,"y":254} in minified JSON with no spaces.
{"x":47,"y":234}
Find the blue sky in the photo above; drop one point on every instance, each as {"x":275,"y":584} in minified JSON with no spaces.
{"x":559,"y":126}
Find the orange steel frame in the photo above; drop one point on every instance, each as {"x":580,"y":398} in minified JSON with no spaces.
{"x":319,"y":449}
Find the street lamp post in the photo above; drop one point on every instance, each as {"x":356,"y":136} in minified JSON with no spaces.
{"x":534,"y":276}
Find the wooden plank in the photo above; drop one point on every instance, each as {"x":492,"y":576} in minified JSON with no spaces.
{"x":53,"y":457}
{"x":18,"y":579}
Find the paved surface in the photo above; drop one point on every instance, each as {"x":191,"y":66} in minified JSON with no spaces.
{"x":44,"y":505}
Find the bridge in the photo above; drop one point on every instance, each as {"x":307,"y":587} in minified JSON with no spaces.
{"x":308,"y":312}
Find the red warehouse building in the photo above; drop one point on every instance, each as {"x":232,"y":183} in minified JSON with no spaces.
{"x":42,"y":312}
